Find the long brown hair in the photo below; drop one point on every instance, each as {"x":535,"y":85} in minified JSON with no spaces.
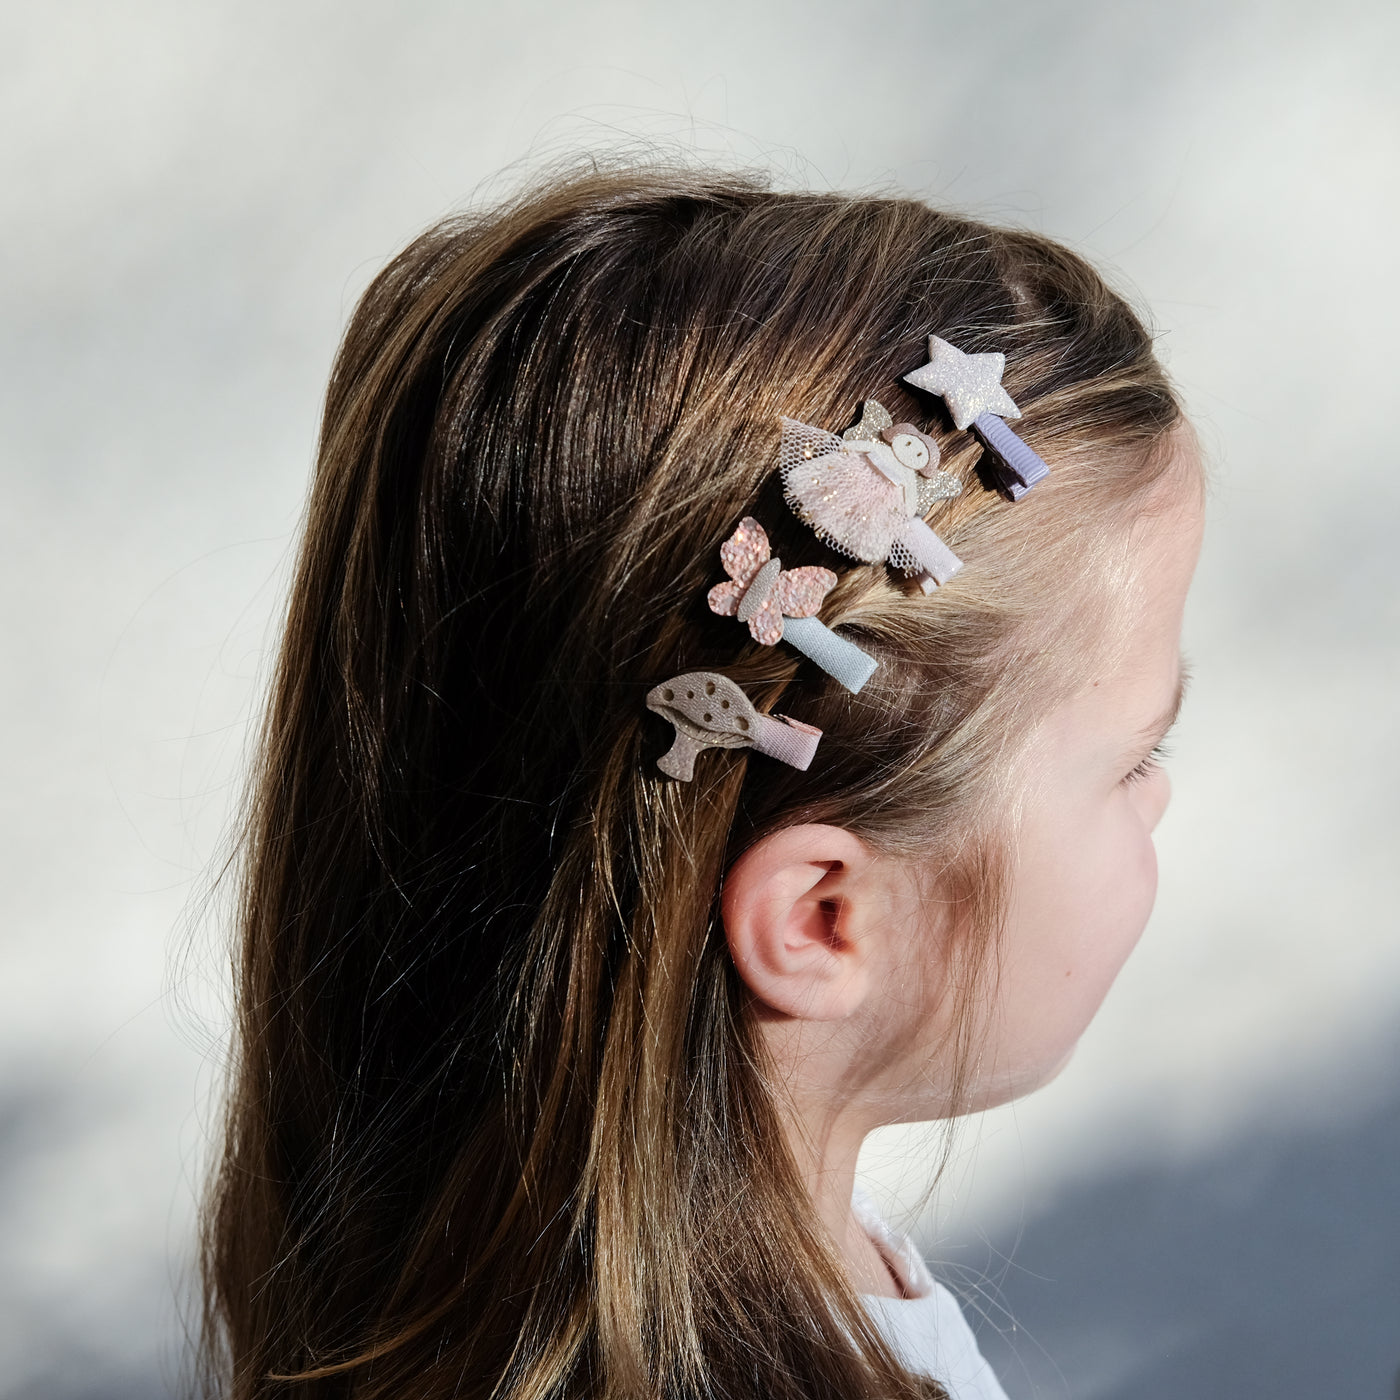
{"x":499,"y":1125}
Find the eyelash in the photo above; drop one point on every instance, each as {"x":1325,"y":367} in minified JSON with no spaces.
{"x":1149,"y":765}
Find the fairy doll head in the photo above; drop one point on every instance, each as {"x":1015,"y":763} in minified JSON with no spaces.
{"x":506,"y":1118}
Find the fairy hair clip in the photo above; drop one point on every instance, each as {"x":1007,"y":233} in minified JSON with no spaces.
{"x":865,"y":493}
{"x":708,"y":711}
{"x":971,"y":387}
{"x":782,"y":604}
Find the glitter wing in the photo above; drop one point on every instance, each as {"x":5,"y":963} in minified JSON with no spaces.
{"x":744,"y":553}
{"x":874,"y":419}
{"x":724,"y":598}
{"x":801,"y":592}
{"x":943,"y":486}
{"x":766,"y":624}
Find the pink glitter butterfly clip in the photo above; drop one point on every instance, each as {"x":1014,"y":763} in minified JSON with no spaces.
{"x":761,"y":592}
{"x":781,"y":605}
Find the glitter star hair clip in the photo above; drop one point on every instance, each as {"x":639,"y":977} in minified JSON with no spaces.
{"x":866,"y":493}
{"x":971,"y":387}
{"x":708,"y":711}
{"x":782,"y":604}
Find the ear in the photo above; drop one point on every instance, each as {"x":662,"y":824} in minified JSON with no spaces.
{"x":791,"y":907}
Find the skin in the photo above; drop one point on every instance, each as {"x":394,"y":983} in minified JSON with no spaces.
{"x":847,"y":954}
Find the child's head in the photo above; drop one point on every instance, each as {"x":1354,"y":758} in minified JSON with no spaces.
{"x":529,"y":1031}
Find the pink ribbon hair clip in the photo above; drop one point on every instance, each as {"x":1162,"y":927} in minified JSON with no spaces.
{"x":866,"y":493}
{"x":709,"y":711}
{"x":782,"y":604}
{"x":971,"y":387}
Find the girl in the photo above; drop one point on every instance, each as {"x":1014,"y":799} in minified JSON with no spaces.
{"x":552,"y":1067}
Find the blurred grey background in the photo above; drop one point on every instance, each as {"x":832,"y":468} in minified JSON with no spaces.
{"x":192,"y":196}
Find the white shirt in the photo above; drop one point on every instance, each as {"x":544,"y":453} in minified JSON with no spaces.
{"x":925,"y":1328}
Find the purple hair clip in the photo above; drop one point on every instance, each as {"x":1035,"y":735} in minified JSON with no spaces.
{"x":971,"y":387}
{"x":866,"y":493}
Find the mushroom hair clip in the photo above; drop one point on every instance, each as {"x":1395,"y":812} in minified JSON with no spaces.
{"x":709,"y":711}
{"x":781,"y":604}
{"x":866,"y":493}
{"x":971,"y":387}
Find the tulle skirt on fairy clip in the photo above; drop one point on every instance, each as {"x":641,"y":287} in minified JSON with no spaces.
{"x":870,"y":512}
{"x":851,"y":505}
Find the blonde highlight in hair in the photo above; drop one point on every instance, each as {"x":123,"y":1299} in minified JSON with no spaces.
{"x":500,"y":1126}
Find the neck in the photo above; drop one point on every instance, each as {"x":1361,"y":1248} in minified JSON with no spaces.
{"x":824,"y":1137}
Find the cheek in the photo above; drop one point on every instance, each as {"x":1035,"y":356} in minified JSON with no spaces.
{"x":1101,"y":924}
{"x":1078,"y":907}
{"x":1091,"y":889}
{"x":1128,"y":889}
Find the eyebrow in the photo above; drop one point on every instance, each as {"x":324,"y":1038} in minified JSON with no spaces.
{"x":1158,"y":730}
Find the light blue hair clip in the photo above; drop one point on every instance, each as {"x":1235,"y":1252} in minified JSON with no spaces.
{"x":971,"y":387}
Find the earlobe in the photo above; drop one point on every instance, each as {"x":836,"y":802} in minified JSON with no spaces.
{"x":792,"y":908}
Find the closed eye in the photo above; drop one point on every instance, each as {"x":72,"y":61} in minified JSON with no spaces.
{"x":1150,"y":765}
